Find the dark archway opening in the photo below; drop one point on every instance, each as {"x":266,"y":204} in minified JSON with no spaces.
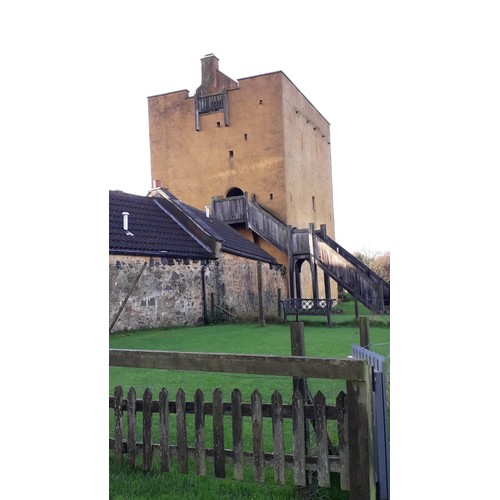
{"x":234,"y":191}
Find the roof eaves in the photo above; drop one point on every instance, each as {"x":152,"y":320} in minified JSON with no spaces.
{"x":161,"y":253}
{"x":239,"y":253}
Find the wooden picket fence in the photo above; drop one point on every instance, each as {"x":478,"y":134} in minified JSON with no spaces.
{"x":354,"y":458}
{"x":317,"y":412}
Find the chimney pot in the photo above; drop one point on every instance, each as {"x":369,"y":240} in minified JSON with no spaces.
{"x":125,"y":220}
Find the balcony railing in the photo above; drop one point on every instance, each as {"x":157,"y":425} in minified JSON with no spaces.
{"x":211,"y":104}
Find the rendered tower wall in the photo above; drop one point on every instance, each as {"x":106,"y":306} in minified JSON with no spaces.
{"x":275,"y":145}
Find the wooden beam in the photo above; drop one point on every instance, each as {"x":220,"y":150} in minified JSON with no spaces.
{"x":260,"y":292}
{"x":117,"y":315}
{"x":288,"y":366}
{"x":361,"y":438}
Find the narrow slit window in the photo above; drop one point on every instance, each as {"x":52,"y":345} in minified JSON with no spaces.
{"x":231,"y":154}
{"x":314,"y":203}
{"x":246,"y":137}
{"x":270,"y":196}
{"x":218,"y":124}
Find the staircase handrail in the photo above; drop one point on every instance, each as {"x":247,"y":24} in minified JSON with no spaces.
{"x":283,"y":228}
{"x":350,"y":257}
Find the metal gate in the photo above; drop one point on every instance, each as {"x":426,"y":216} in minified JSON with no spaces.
{"x":376,"y":361}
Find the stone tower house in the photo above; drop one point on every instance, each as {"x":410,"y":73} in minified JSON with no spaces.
{"x":258,"y":135}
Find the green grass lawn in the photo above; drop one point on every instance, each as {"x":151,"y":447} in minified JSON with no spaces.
{"x":125,"y":484}
{"x":320,"y":341}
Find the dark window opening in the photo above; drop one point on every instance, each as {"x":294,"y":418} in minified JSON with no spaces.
{"x":270,"y":196}
{"x":231,"y":154}
{"x":246,"y":137}
{"x":218,"y":124}
{"x":314,"y":203}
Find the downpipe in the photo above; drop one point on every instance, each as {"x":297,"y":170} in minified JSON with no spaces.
{"x":203,"y":291}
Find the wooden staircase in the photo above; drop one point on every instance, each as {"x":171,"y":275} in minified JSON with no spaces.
{"x":315,"y":245}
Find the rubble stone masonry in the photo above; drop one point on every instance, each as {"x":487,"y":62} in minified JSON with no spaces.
{"x":169,"y":292}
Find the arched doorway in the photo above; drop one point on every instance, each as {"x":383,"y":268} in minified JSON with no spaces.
{"x":305,"y":282}
{"x":234,"y":191}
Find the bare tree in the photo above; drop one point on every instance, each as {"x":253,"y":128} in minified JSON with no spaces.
{"x":378,"y":262}
{"x":382,"y":266}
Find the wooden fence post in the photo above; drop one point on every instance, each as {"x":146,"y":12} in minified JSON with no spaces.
{"x":364,"y":332}
{"x":342,"y":425}
{"x":356,"y":310}
{"x":359,"y":402}
{"x":262,"y":322}
{"x":299,"y":349}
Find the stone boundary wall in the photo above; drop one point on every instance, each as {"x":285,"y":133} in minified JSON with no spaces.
{"x":233,"y":280}
{"x":169,"y":291}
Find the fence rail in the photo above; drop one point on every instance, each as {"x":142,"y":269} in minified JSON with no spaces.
{"x":287,"y":366}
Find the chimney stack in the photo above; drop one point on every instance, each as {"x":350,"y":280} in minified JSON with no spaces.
{"x":212,"y":80}
{"x":209,"y":69}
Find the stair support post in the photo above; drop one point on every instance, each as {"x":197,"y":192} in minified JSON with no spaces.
{"x":328,"y":288}
{"x":245,"y":198}
{"x":312,"y":261}
{"x":291,"y":264}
